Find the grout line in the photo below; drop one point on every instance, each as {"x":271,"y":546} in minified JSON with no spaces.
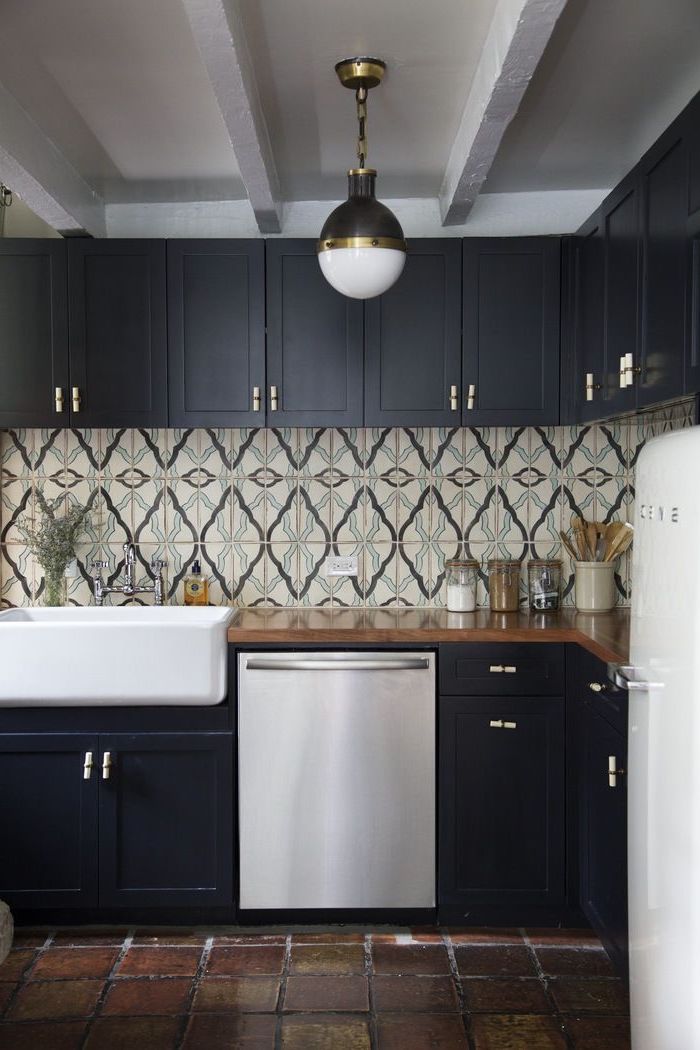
{"x":126,"y":944}
{"x":199,"y":974}
{"x":372,"y":1013}
{"x":282,"y":991}
{"x":544,"y":981}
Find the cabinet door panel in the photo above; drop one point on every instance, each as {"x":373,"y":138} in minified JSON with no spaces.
{"x":48,"y":817}
{"x":33,"y":333}
{"x":216,"y":332}
{"x":166,"y":821}
{"x":501,"y":807}
{"x":588,"y":320}
{"x":664,"y":180}
{"x":621,"y":303}
{"x":412,"y":353}
{"x":117,"y":320}
{"x":314,"y":342}
{"x":511,"y":308}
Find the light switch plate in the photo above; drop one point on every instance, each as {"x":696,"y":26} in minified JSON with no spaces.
{"x":341,"y":566}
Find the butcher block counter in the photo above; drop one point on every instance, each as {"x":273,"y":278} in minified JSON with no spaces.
{"x":606,"y":635}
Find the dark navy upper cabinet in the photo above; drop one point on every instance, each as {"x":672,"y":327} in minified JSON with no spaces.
{"x":664,"y":175}
{"x":48,"y":817}
{"x":511,"y":310}
{"x":621,"y":281}
{"x":33,"y":333}
{"x":216,"y":333}
{"x":587,"y":319}
{"x":413,"y":367}
{"x":314,"y":343}
{"x":166,"y":820}
{"x":117,"y":324}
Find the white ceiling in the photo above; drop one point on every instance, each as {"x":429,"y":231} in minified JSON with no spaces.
{"x":119,"y":88}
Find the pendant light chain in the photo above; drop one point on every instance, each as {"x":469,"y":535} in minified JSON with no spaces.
{"x":361,"y":99}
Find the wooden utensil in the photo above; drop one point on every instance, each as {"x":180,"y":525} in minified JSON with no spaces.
{"x":579,"y":527}
{"x":569,"y":546}
{"x":620,"y":543}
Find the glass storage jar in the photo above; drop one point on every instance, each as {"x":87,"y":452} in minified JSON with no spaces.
{"x":460,"y":577}
{"x":543,"y":584}
{"x":504,"y":585}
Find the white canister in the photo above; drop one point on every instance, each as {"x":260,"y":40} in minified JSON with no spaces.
{"x":594,"y":589}
{"x":461,"y":577}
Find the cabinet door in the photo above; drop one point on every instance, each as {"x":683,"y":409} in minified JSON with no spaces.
{"x":413,"y":341}
{"x":603,"y":833}
{"x":621,"y":287}
{"x":314,"y":343}
{"x":33,"y":333}
{"x":48,"y":821}
{"x":511,"y":331}
{"x":166,"y":820}
{"x":117,"y":324}
{"x":588,"y":322}
{"x":692,"y":136}
{"x":501,"y":811}
{"x":664,"y":218}
{"x":216,"y":333}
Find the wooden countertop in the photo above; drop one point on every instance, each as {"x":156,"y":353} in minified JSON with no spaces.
{"x":606,"y":635}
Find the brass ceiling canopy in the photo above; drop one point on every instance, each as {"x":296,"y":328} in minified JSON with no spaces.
{"x":357,"y":73}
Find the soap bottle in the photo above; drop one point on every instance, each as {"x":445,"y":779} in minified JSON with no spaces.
{"x":196,"y":587}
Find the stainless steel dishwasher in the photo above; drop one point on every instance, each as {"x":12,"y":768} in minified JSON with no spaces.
{"x":336,"y":759}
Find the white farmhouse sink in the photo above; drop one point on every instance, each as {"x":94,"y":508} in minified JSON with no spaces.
{"x":113,"y":656}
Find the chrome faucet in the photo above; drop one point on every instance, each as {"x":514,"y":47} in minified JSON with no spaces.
{"x":100,"y":589}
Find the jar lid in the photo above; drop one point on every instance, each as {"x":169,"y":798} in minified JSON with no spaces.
{"x":461,"y":563}
{"x":544,"y":563}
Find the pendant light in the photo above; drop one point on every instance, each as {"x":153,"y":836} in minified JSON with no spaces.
{"x":361,"y":249}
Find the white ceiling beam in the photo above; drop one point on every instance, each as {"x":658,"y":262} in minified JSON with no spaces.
{"x":218,"y":31}
{"x":516,"y":39}
{"x":32,"y":166}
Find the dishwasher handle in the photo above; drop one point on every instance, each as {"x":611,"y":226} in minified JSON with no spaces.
{"x":272,"y":663}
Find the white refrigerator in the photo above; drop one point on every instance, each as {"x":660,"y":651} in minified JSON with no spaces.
{"x":664,"y":747}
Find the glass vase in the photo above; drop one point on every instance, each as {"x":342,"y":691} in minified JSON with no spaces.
{"x":55,"y":588}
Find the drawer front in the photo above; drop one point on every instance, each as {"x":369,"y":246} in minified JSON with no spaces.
{"x":500,"y":669}
{"x":593,"y":686}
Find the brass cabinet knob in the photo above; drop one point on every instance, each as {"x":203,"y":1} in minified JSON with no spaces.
{"x":591,"y":386}
{"x":58,"y":397}
{"x":87,"y":765}
{"x":76,"y":398}
{"x":454,"y":397}
{"x":256,"y":399}
{"x":273,"y":398}
{"x":471,"y":396}
{"x":106,"y":765}
{"x":595,"y":687}
{"x":613,"y":771}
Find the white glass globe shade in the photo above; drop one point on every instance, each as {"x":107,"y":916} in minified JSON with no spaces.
{"x":362,"y":273}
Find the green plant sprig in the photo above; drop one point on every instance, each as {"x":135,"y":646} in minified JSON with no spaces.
{"x":53,"y":538}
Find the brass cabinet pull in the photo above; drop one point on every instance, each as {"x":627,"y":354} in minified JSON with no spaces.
{"x":256,"y":399}
{"x":498,"y":723}
{"x":496,"y":668}
{"x":58,"y":396}
{"x":454,"y":397}
{"x":591,"y":386}
{"x":510,"y":669}
{"x":623,"y":373}
{"x":631,"y":370}
{"x":76,"y":398}
{"x":613,"y":771}
{"x":87,"y":765}
{"x":471,"y":395}
{"x":503,"y":668}
{"x":106,"y":765}
{"x":273,"y":398}
{"x":595,"y":687}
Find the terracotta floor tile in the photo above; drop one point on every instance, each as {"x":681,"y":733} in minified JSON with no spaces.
{"x":46,"y":1000}
{"x":421,"y":1031}
{"x":74,"y":962}
{"x":505,"y":996}
{"x":16,"y":963}
{"x":128,"y":1033}
{"x":251,"y":960}
{"x":160,"y":962}
{"x":599,"y":1033}
{"x":228,"y":939}
{"x":574,"y":962}
{"x":431,"y":959}
{"x":6,"y":990}
{"x":571,"y":938}
{"x":325,"y":1032}
{"x":332,"y":937}
{"x":501,"y":961}
{"x":51,"y":1035}
{"x":236,"y":995}
{"x":94,"y":936}
{"x":327,"y":958}
{"x":485,"y":935}
{"x":227,"y":1032}
{"x":424,"y":994}
{"x":27,"y":937}
{"x":518,"y":1032}
{"x":600,"y":996}
{"x":160,"y":935}
{"x":343,"y":994}
{"x":134,"y":997}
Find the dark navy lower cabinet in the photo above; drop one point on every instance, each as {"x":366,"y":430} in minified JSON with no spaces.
{"x":502,"y":809}
{"x":48,"y":820}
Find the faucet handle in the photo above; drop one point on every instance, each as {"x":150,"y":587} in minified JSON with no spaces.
{"x":157,"y":564}
{"x":99,"y":564}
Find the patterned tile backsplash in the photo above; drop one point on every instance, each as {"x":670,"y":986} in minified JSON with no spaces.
{"x":262,"y":509}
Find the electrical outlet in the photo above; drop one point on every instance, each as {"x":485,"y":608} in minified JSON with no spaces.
{"x":341,"y":566}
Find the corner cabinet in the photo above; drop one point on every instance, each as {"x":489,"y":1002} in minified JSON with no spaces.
{"x":216,"y":333}
{"x":314,"y":343}
{"x":413,"y":341}
{"x":33,"y":333}
{"x":510,"y":331}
